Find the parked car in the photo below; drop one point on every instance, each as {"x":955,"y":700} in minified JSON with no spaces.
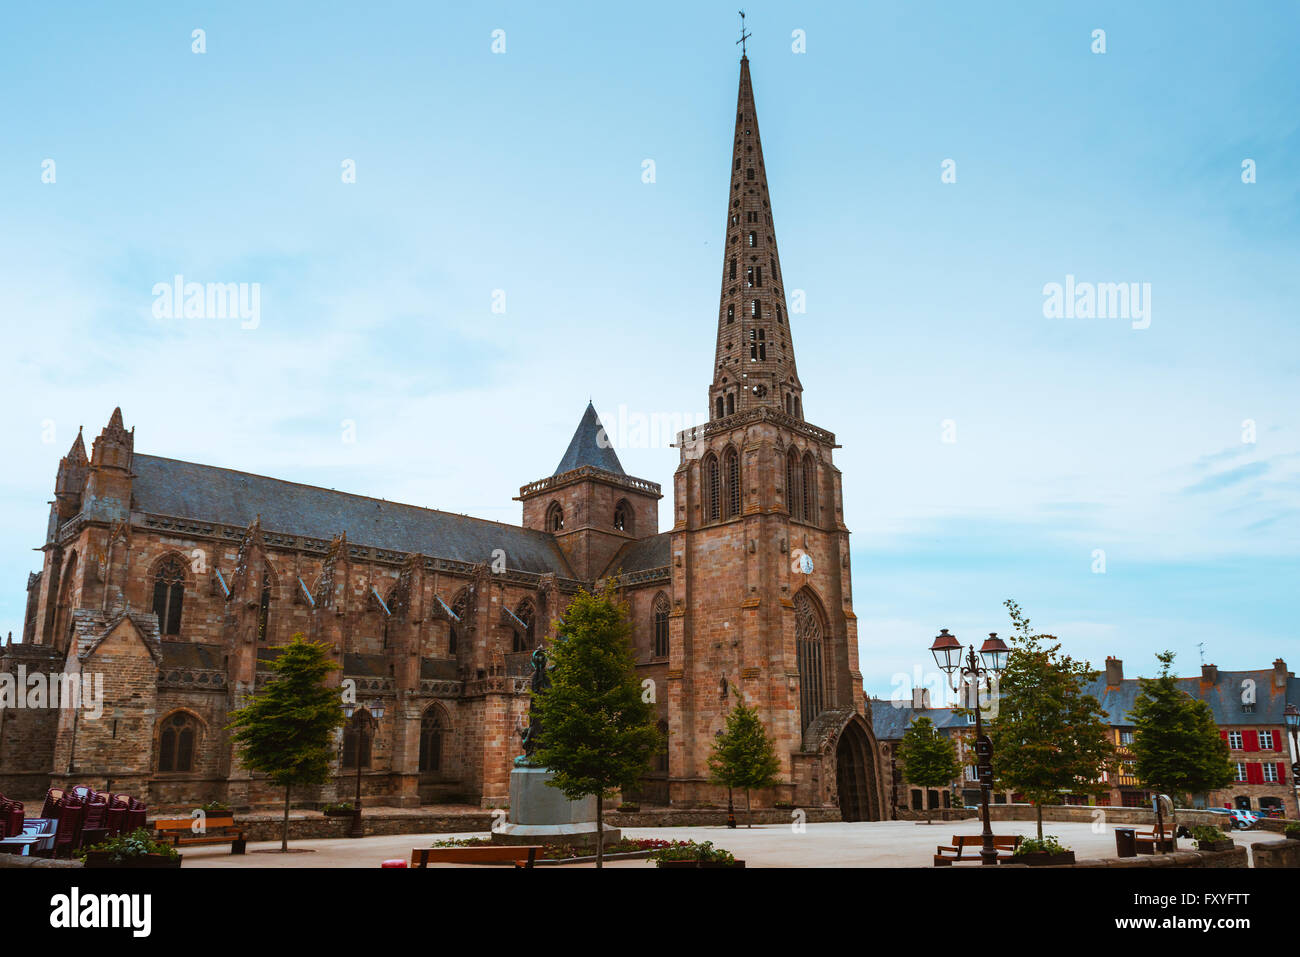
{"x":1229,"y":818}
{"x":1236,"y":818}
{"x":1246,"y":819}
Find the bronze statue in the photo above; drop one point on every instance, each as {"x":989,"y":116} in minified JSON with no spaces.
{"x":530,"y":735}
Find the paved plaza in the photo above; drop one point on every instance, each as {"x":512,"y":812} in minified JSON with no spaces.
{"x":862,"y":844}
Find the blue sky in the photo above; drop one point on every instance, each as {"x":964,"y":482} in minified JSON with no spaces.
{"x":522,"y":172}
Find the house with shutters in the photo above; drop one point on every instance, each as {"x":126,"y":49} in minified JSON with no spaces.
{"x":1248,"y":708}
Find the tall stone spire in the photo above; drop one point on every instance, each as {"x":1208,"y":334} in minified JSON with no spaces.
{"x":754,"y":363}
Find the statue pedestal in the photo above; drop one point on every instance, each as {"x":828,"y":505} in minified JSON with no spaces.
{"x":540,"y":814}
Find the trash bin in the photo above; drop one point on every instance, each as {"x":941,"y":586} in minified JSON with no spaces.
{"x":1126,"y":842}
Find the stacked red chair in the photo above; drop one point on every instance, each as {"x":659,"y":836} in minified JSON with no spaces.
{"x":70,"y":812}
{"x":51,"y":806}
{"x":11,"y":817}
{"x":135,"y":815}
{"x":94,"y":825}
{"x":115,"y":820}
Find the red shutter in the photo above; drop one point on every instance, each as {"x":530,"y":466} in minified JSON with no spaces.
{"x":1254,"y":773}
{"x":1250,"y":740}
{"x":1223,"y":735}
{"x":1281,"y":773}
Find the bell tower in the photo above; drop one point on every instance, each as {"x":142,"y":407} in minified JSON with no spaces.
{"x":760,"y":553}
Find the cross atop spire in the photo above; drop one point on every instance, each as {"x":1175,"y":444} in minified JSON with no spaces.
{"x":754,"y":361}
{"x":743,"y":35}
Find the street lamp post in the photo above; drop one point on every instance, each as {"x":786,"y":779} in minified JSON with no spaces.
{"x":1292,"y":717}
{"x":376,"y":710}
{"x":947,"y":651}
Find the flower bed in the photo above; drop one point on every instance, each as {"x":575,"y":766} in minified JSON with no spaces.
{"x":137,"y":849}
{"x":627,"y":849}
{"x":1047,"y":852}
{"x":691,"y":854}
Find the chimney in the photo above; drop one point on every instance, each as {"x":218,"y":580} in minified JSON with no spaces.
{"x":921,"y":698}
{"x":1210,"y":674}
{"x":1280,"y":674}
{"x":1114,"y":671}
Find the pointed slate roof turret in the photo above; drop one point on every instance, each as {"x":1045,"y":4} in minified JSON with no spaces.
{"x":754,"y":362}
{"x":590,"y":445}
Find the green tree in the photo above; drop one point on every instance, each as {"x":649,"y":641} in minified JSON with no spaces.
{"x":599,"y":732}
{"x":929,"y":756}
{"x":743,"y":755}
{"x":1176,"y":745}
{"x":286,"y":730}
{"x":1049,"y":736}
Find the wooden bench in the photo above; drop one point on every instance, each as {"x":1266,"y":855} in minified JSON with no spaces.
{"x":1151,"y":842}
{"x":523,"y":855}
{"x":946,"y":855}
{"x":217,"y":830}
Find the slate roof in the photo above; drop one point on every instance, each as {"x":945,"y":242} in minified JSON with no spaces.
{"x":590,"y":446}
{"x":1223,"y":697}
{"x":209,"y":493}
{"x":193,"y":656}
{"x":642,"y":555}
{"x":889,"y":721}
{"x":438,"y":668}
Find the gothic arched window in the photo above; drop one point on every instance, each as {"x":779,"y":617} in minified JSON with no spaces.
{"x":731,"y":468}
{"x":808,"y":632}
{"x":525,"y":640}
{"x":809,"y":488}
{"x":720,"y":412}
{"x":793,"y":494}
{"x":554,"y":517}
{"x":460,"y":608}
{"x":623,"y":516}
{"x":712,"y":489}
{"x":169,"y":595}
{"x":432,"y":727}
{"x":731,"y":402}
{"x":661,"y":610}
{"x":357,"y":736}
{"x":264,"y":606}
{"x":176,"y":741}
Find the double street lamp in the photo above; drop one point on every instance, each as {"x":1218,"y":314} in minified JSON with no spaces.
{"x":376,"y":710}
{"x":947,"y":651}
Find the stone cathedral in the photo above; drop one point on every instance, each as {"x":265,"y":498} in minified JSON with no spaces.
{"x":172,"y":579}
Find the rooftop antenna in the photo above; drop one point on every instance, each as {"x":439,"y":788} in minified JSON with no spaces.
{"x":743,"y":35}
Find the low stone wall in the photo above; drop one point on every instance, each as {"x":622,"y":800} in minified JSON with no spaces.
{"x":303,"y":825}
{"x":1277,"y":824}
{"x":939,"y":814}
{"x":14,"y":860}
{"x":1276,"y":853}
{"x":1079,"y":814}
{"x":1236,"y":857}
{"x":715,"y":817}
